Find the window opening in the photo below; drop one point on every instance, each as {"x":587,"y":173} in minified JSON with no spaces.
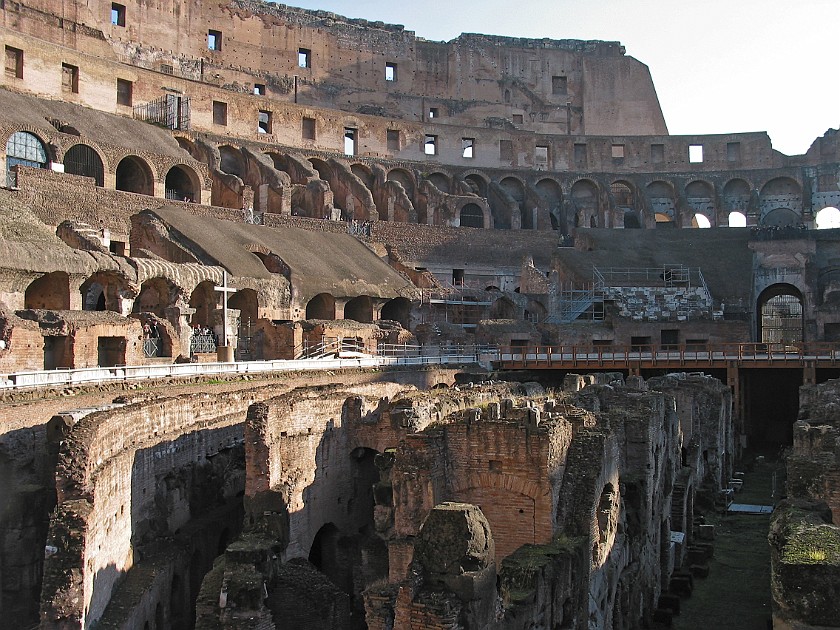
{"x":390,"y":72}
{"x":518,"y":119}
{"x":214,"y":40}
{"x":430,"y":145}
{"x":26,"y":149}
{"x":259,"y":89}
{"x":540,"y":157}
{"x":124,"y":92}
{"x":14,"y":62}
{"x":70,"y":78}
{"x":695,"y":153}
{"x":117,"y":14}
{"x":617,"y":151}
{"x":308,"y":128}
{"x":304,"y":58}
{"x":580,"y":155}
{"x":657,"y":153}
{"x":559,"y":85}
{"x":264,"y":124}
{"x":220,"y":113}
{"x":733,"y":151}
{"x":468,"y":148}
{"x":393,"y":139}
{"x":349,"y":141}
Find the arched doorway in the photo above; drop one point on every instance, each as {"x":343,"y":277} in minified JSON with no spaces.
{"x":322,"y":306}
{"x":397,"y":310}
{"x":155,"y":296}
{"x":471,"y":215}
{"x":50,"y":291}
{"x":246,"y":302}
{"x":134,"y":175}
{"x":81,"y":159}
{"x":26,"y":149}
{"x":780,"y":317}
{"x":359,"y":309}
{"x":204,"y":299}
{"x":231,"y":161}
{"x":737,"y":219}
{"x":180,"y":185}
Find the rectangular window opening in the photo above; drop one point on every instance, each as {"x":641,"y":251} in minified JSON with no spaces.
{"x":434,"y":112}
{"x":695,"y":153}
{"x":559,"y":85}
{"x":458,"y":277}
{"x":117,"y":14}
{"x":617,"y":151}
{"x":308,"y":128}
{"x":540,"y":156}
{"x":304,"y":58}
{"x":468,"y":148}
{"x":430,"y":145}
{"x":733,"y":151}
{"x":259,"y":89}
{"x":393,"y":139}
{"x":264,"y":124}
{"x":349,"y":141}
{"x":506,"y":150}
{"x":70,"y":78}
{"x":580,"y":155}
{"x":518,"y":119}
{"x":214,"y":40}
{"x":14,"y":62}
{"x":125,"y":91}
{"x":390,"y":72}
{"x":657,"y":153}
{"x":220,"y":110}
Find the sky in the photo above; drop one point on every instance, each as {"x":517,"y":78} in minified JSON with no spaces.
{"x":719,"y":66}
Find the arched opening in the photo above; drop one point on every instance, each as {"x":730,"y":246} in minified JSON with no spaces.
{"x":700,"y":221}
{"x":516,"y":190}
{"x":363,"y":173}
{"x":50,"y":291}
{"x":322,"y":306}
{"x":324,"y":555}
{"x":246,"y":302}
{"x":737,"y":219}
{"x":780,"y":187}
{"x":177,"y":618}
{"x":205,"y":300}
{"x":471,"y":215}
{"x":189,"y":147}
{"x":631,"y":220}
{"x":780,"y":217}
{"x":359,"y":309}
{"x":662,"y":205}
{"x":664,"y":220}
{"x":780,"y":317}
{"x":550,"y":192}
{"x":324,"y":171}
{"x":93,"y":296}
{"x":231,"y":161}
{"x":180,"y":185}
{"x":405,"y":179}
{"x":503,"y":308}
{"x":827,"y":218}
{"x":279,"y":161}
{"x":584,"y":195}
{"x":398,"y":310}
{"x":156,"y":294}
{"x":81,"y":159}
{"x":134,"y":175}
{"x":622,"y":195}
{"x":440,"y":181}
{"x":26,"y":149}
{"x":477,"y":184}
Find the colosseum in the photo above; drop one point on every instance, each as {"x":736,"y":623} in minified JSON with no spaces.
{"x":309,"y":322}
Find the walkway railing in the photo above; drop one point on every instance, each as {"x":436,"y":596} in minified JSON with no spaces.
{"x":690,"y":356}
{"x":390,"y":357}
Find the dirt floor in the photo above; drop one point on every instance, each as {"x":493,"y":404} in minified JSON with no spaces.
{"x":736,"y":595}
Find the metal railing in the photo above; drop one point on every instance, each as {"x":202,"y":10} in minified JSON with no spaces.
{"x":202,"y":343}
{"x":152,"y":347}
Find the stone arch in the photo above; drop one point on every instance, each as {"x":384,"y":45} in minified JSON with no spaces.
{"x":736,"y":219}
{"x":780,"y":217}
{"x":398,"y":310}
{"x":781,"y":186}
{"x":472,"y":215}
{"x":624,"y":203}
{"x":504,"y":308}
{"x":156,"y":295}
{"x":827,"y":218}
{"x":189,"y":146}
{"x":477,"y":182}
{"x":182,"y":184}
{"x":82,"y":159}
{"x":363,"y":172}
{"x":322,"y":306}
{"x":662,"y":199}
{"x":50,"y":291}
{"x":700,"y":197}
{"x":584,"y":195}
{"x":359,"y":309}
{"x":279,"y":160}
{"x":325,"y":172}
{"x":515,"y":187}
{"x":780,"y":314}
{"x":26,"y":149}
{"x":405,"y":178}
{"x":441,"y":181}
{"x":204,"y":299}
{"x":134,"y":174}
{"x":551,"y":192}
{"x":231,"y":161}
{"x":103,"y":291}
{"x":247,"y":303}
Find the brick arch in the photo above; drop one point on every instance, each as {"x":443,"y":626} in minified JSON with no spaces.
{"x":106,"y":162}
{"x":505,"y":481}
{"x":48,"y":142}
{"x":480,"y":180}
